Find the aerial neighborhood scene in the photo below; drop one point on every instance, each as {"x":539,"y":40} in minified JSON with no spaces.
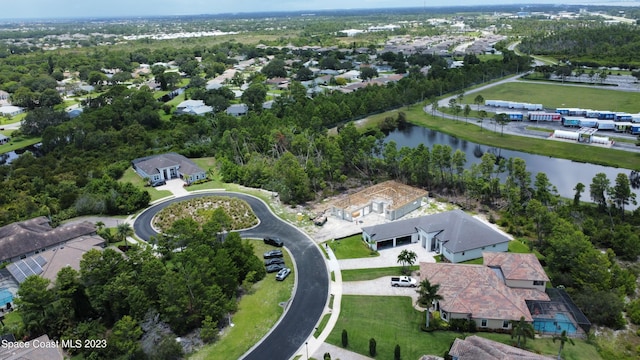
{"x":319,"y":180}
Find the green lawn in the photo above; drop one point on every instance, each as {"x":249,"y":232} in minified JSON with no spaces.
{"x":517,"y":246}
{"x":256,"y":315}
{"x":393,"y":320}
{"x":370,"y":274}
{"x":351,"y":247}
{"x":17,"y":142}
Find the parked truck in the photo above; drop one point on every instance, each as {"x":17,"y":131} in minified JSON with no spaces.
{"x":404,"y":281}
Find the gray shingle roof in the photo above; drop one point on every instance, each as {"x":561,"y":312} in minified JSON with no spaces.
{"x":151,"y":164}
{"x":27,"y":236}
{"x":458,"y":230}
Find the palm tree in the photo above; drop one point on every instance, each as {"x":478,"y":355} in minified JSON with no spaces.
{"x":99,"y":225}
{"x":407,"y":257}
{"x":427,"y":294}
{"x":563,"y":338}
{"x":501,"y":119}
{"x":466,"y":112}
{"x":521,"y":330}
{"x":124,"y":230}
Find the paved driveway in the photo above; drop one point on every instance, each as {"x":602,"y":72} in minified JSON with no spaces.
{"x":388,"y":257}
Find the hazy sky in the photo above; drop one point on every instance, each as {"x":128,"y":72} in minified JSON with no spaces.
{"x":11,"y":9}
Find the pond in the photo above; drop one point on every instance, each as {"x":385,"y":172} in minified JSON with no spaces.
{"x":563,"y":174}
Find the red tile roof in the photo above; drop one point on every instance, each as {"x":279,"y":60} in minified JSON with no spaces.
{"x":516,"y":266}
{"x":475,"y":290}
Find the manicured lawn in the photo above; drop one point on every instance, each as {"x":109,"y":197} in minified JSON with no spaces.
{"x":370,"y":274}
{"x":351,"y":248}
{"x":559,"y":149}
{"x":393,"y":320}
{"x":17,"y":142}
{"x":257,"y":313}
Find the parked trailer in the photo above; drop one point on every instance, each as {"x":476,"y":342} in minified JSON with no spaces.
{"x":568,"y":135}
{"x":607,"y":115}
{"x":590,"y":123}
{"x":635,"y":129}
{"x":606,"y":125}
{"x":604,"y":140}
{"x":623,"y":117}
{"x":623,"y":127}
{"x":491,"y":103}
{"x":571,"y":121}
{"x":533,"y":107}
{"x":592,"y":114}
{"x":563,"y":111}
{"x":513,"y":115}
{"x":635,"y":118}
{"x":544,"y":116}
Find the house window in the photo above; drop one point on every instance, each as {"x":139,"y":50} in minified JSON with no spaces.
{"x":494,"y":245}
{"x":505,"y":324}
{"x":483,"y":323}
{"x":22,"y":257}
{"x":463,"y":253}
{"x":538,"y":283}
{"x":443,"y":314}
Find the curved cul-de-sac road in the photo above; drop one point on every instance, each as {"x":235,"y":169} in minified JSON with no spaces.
{"x":310,"y":294}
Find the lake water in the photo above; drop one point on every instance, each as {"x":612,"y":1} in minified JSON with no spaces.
{"x":562,"y":173}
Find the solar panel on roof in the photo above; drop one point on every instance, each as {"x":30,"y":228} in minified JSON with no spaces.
{"x":24,"y":268}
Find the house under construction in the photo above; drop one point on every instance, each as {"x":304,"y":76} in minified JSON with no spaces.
{"x":390,"y":198}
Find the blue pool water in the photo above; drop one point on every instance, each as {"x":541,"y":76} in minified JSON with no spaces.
{"x":556,"y":325}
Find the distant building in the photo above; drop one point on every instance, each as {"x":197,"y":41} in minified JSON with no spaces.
{"x":193,"y":107}
{"x":10,"y":110}
{"x":237,"y":110}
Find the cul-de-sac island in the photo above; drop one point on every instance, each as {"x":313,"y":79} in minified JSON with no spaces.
{"x":298,"y":181}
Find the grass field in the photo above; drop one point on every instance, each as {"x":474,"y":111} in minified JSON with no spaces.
{"x":393,"y":320}
{"x":351,"y":247}
{"x":256,"y":314}
{"x":555,"y":96}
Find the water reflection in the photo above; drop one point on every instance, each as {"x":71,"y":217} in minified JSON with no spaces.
{"x":564,"y":174}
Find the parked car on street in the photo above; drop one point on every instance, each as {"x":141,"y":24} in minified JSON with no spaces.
{"x":273,"y":241}
{"x":273,"y":261}
{"x":275,"y":267}
{"x":272,"y":254}
{"x":282,"y":274}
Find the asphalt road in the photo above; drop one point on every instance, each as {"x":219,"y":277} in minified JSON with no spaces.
{"x":312,"y":278}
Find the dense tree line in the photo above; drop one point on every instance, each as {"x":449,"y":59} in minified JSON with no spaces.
{"x":192,"y":287}
{"x":609,"y":45}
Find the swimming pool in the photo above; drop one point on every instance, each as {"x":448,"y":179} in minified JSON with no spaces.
{"x":556,"y":325}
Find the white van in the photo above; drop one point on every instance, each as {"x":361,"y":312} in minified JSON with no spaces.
{"x":404,"y":281}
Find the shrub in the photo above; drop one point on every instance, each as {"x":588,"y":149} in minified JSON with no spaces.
{"x":372,"y":347}
{"x":345,"y":338}
{"x":396,"y":353}
{"x":327,"y":356}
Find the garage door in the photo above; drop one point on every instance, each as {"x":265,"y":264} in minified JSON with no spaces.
{"x":385,"y":244}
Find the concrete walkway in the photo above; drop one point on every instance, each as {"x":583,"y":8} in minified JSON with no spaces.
{"x":176,"y":186}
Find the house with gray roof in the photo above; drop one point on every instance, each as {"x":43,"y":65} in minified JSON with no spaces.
{"x":454,"y":234}
{"x":166,"y":167}
{"x":26,"y":238}
{"x":4,"y":139}
{"x":193,"y":107}
{"x":238,"y":109}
